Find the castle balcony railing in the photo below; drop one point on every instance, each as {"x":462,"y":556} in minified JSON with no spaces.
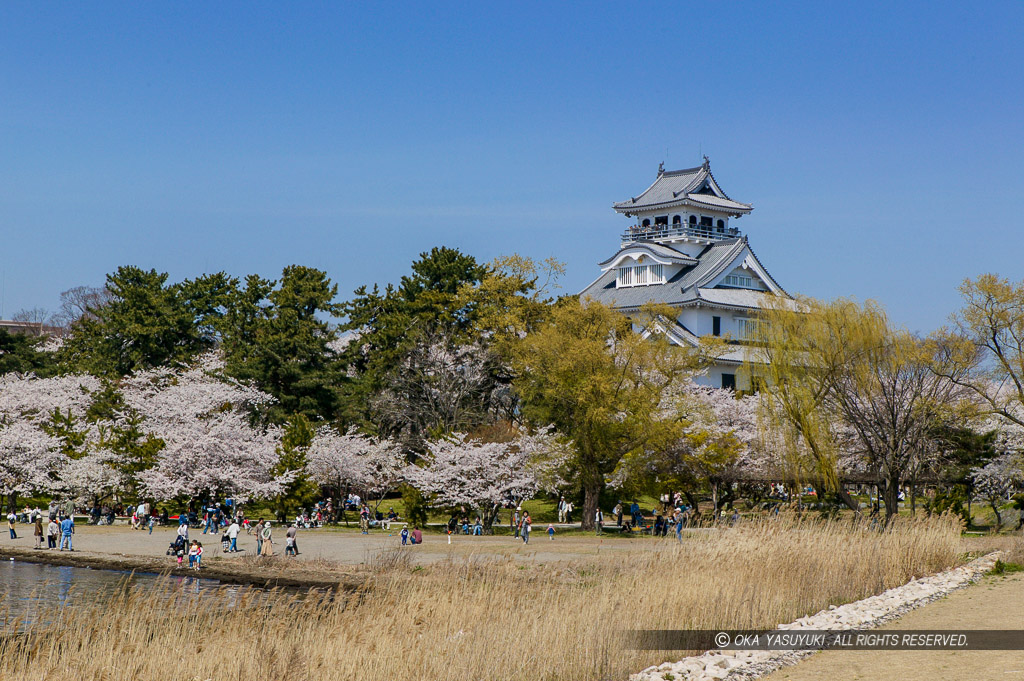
{"x":673,"y":232}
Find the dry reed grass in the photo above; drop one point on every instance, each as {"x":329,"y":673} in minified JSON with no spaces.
{"x":483,"y":619}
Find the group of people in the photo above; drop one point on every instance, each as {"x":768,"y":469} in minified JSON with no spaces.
{"x":58,"y":527}
{"x":231,"y":528}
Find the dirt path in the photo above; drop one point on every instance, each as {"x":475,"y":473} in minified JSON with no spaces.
{"x":992,"y":603}
{"x":327,"y":555}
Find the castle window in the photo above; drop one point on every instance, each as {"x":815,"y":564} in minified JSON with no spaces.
{"x":721,"y":225}
{"x":676,"y":220}
{"x":693,"y":219}
{"x":748,"y":329}
{"x":640,"y":275}
{"x":646,"y":223}
{"x":739,"y":281}
{"x":705,"y":221}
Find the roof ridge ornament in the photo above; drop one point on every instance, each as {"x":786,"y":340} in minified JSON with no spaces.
{"x":661,"y":168}
{"x":707,"y":162}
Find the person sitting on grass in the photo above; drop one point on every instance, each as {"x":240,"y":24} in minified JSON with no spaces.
{"x":417,"y":536}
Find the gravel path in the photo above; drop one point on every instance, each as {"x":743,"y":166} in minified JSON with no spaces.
{"x":993,"y":603}
{"x":867,"y":613}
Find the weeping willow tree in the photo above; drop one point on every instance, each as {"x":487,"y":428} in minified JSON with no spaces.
{"x":845,"y":383}
{"x":600,"y":380}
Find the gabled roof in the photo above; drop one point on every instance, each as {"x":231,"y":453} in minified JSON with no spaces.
{"x":692,"y":186}
{"x":731,"y":298}
{"x":692,"y":284}
{"x":660,"y":253}
{"x":714,"y":260}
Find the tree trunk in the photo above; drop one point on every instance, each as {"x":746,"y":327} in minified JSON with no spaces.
{"x":994,"y":503}
{"x":591,"y":497}
{"x":913,"y":502}
{"x":970,"y":518}
{"x":490,"y":517}
{"x":845,"y":497}
{"x":892,"y":498}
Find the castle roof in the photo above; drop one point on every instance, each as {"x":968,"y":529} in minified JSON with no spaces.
{"x":694,"y":187}
{"x":691,"y":284}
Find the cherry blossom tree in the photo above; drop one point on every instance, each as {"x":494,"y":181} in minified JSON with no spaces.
{"x":458,"y":471}
{"x":31,"y":460}
{"x":994,"y":481}
{"x":210,"y":443}
{"x":371,"y":466}
{"x":33,"y":455}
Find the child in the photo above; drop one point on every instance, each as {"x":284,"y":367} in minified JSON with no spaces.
{"x":179,"y":551}
{"x":551,"y":531}
{"x":289,"y":546}
{"x":193,"y":551}
{"x":225,"y":541}
{"x":152,"y":522}
{"x":199,"y":555}
{"x":405,"y":535}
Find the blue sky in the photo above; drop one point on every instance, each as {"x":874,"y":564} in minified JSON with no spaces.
{"x":882,"y":145}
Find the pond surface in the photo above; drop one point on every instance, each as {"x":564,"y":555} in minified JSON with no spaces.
{"x":25,"y":587}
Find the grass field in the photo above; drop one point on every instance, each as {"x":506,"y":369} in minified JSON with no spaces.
{"x":479,"y":618}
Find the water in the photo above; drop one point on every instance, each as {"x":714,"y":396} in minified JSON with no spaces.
{"x":24,"y":587}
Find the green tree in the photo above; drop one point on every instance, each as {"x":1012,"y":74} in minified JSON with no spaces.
{"x":146,"y":322}
{"x":20,"y":353}
{"x":300,"y":491}
{"x":428,"y":303}
{"x":600,"y":382}
{"x":276,"y":335}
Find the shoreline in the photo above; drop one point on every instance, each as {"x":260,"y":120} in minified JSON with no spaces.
{"x":224,"y":573}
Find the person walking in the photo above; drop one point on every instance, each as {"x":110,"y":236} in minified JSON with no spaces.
{"x":527,"y":526}
{"x":617,"y":512}
{"x":561,"y":510}
{"x":233,"y":530}
{"x":599,"y":521}
{"x":515,"y":523}
{"x":268,"y":540}
{"x":678,"y":519}
{"x":39,"y":532}
{"x":52,"y":531}
{"x":568,"y":512}
{"x":10,"y":523}
{"x":67,"y":528}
